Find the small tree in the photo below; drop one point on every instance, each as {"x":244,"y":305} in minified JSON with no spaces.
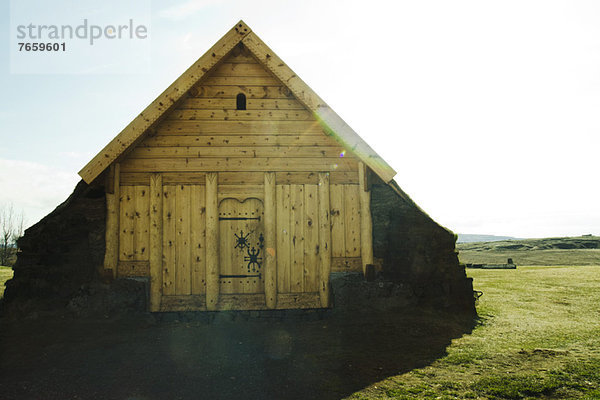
{"x":11,"y":229}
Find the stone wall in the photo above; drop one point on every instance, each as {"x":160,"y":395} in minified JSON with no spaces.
{"x":417,"y":253}
{"x":60,"y":254}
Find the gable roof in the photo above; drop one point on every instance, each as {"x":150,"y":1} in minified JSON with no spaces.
{"x":331,"y":123}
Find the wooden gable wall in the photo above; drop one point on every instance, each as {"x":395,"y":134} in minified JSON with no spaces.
{"x":205,"y":134}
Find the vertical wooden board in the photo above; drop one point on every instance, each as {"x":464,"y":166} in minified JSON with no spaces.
{"x":324,"y":238}
{"x":183,"y":271}
{"x":297,"y":238}
{"x":169,"y":239}
{"x":155,"y":246}
{"x":352,"y":220}
{"x":338,"y":234}
{"x":212,"y":242}
{"x":141,"y":224}
{"x":311,"y":238}
{"x":198,"y":238}
{"x":126,"y":215}
{"x":366,"y":224}
{"x":253,"y":208}
{"x":235,"y":209}
{"x":270,"y":260}
{"x":283,"y":238}
{"x":226,"y":232}
{"x":111,"y":255}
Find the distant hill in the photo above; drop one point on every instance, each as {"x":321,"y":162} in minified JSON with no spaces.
{"x":580,"y":250}
{"x":469,"y":238}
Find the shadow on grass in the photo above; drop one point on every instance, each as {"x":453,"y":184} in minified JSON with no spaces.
{"x":219,"y":356}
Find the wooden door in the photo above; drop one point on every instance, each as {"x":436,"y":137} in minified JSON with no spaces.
{"x":241,"y":246}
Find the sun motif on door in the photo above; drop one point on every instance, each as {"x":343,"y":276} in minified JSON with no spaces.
{"x":241,"y":247}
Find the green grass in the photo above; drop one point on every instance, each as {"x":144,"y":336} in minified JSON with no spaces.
{"x":582,"y":250}
{"x":538,"y":337}
{"x":6,"y":273}
{"x":532,"y":257}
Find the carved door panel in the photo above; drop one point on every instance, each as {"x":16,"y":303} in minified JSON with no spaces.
{"x":241,"y":247}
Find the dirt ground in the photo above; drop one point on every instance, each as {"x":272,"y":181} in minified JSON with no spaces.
{"x":319,"y":355}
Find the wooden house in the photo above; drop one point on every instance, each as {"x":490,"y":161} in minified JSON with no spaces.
{"x":238,"y":188}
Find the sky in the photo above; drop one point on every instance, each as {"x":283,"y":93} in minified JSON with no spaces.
{"x":488,"y":111}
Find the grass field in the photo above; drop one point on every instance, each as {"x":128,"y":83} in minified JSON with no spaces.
{"x":581,"y":250}
{"x":532,"y":257}
{"x":538,"y":337}
{"x":5,"y":274}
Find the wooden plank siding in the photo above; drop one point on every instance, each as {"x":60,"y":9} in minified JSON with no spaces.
{"x":227,"y":127}
{"x":134,"y":223}
{"x":345,"y":220}
{"x":194,"y":138}
{"x":240,"y":302}
{"x":156,"y":241}
{"x":239,"y":115}
{"x":206,"y":133}
{"x":198,"y":238}
{"x":297,"y":238}
{"x":226,"y":152}
{"x":238,"y":164}
{"x":251,"y":104}
{"x":205,"y":153}
{"x":239,"y":178}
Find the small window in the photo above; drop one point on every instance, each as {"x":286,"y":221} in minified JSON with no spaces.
{"x":241,"y":101}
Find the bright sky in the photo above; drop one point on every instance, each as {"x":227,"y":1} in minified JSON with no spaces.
{"x":488,"y":111}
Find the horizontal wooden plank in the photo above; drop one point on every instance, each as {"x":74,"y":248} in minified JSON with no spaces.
{"x":243,"y":127}
{"x":133,"y":268}
{"x":143,"y":178}
{"x":237,"y":164}
{"x":241,"y":81}
{"x":225,"y":178}
{"x":250,"y":151}
{"x":251,"y":104}
{"x":236,"y":178}
{"x":343,"y":177}
{"x":239,"y":69}
{"x":285,"y":301}
{"x":251,"y":91}
{"x":303,"y":178}
{"x":183,"y":303}
{"x":240,"y":115}
{"x":251,"y":190}
{"x":238,"y":140}
{"x":240,"y":57}
{"x":346,"y":264}
{"x":135,"y":179}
